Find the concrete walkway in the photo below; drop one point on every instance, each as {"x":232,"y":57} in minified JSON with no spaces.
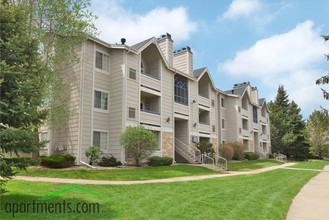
{"x":167,"y":180}
{"x":312,"y":202}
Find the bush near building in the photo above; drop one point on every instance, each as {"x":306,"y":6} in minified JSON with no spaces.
{"x":58,"y":161}
{"x":159,"y":161}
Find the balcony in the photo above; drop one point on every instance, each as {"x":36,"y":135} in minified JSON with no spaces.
{"x":150,"y":82}
{"x":204,"y":101}
{"x":204,"y":127}
{"x":149,"y":117}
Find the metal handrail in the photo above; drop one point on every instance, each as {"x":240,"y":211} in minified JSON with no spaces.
{"x":150,"y":75}
{"x":150,"y":111}
{"x":188,"y":149}
{"x":198,"y":154}
{"x":206,"y":158}
{"x":219,"y":158}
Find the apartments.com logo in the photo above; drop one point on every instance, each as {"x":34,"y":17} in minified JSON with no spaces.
{"x":44,"y":206}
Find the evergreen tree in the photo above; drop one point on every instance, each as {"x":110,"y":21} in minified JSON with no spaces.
{"x":22,"y":85}
{"x":278,"y":115}
{"x":287,"y":127}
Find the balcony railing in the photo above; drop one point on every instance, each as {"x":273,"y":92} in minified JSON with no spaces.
{"x":150,"y":111}
{"x":150,"y":74}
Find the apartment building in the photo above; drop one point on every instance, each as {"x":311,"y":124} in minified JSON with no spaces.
{"x":151,"y":84}
{"x":245,"y":118}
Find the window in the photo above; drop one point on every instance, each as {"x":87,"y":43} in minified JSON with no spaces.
{"x":245,"y":124}
{"x":264,"y":129}
{"x":132,"y":73}
{"x":213,"y":129}
{"x":100,"y":139}
{"x":44,"y":136}
{"x":255,"y":114}
{"x":239,"y":109}
{"x":222,"y":101}
{"x":100,"y":100}
{"x":102,"y":61}
{"x":181,"y":90}
{"x":223,"y":123}
{"x":213,"y":103}
{"x":132,"y":113}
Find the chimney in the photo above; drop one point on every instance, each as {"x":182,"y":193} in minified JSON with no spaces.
{"x":183,"y":60}
{"x":166,"y":45}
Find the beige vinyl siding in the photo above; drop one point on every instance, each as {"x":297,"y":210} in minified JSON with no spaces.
{"x":194,"y":107}
{"x":68,"y":134}
{"x":167,"y":99}
{"x":213,"y":113}
{"x":133,"y":95}
{"x":183,"y":61}
{"x":87,"y":97}
{"x":166,"y":46}
{"x":116,"y":101}
{"x":233,"y":121}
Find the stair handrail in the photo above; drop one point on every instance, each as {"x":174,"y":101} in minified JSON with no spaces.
{"x":188,"y":149}
{"x":219,"y":158}
{"x":198,"y":154}
{"x":205,"y":157}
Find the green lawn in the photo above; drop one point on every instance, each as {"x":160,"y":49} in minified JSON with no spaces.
{"x":311,"y":164}
{"x":247,"y":165}
{"x":121,"y":173}
{"x":263,"y":196}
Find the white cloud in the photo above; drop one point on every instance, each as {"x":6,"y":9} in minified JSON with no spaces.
{"x":293,"y":59}
{"x":115,"y":22}
{"x":242,"y":8}
{"x":257,"y":13}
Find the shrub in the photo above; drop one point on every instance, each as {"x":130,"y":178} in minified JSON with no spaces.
{"x":139,"y":143}
{"x":251,"y":156}
{"x":226,"y":151}
{"x":159,"y":161}
{"x":238,"y":150}
{"x":94,"y":153}
{"x":109,"y":161}
{"x":206,"y":148}
{"x":271,"y":156}
{"x":58,"y":161}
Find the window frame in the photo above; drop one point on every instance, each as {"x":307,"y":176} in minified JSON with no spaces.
{"x":131,"y":108}
{"x":181,"y":94}
{"x":101,"y":109}
{"x":102,"y":70}
{"x":100,"y":139}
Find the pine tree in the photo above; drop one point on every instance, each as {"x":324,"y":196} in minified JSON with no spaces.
{"x":324,"y":79}
{"x":278,"y":115}
{"x":22,"y":85}
{"x":287,"y":127}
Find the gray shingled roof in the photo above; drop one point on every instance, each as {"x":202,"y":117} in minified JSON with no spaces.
{"x":261,"y":101}
{"x":141,"y":44}
{"x":198,"y":72}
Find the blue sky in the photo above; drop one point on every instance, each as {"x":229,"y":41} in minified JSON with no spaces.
{"x":265,"y":42}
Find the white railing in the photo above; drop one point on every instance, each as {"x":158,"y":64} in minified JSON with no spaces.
{"x":189,"y":151}
{"x":207,"y":160}
{"x":221,"y":161}
{"x":280,"y":157}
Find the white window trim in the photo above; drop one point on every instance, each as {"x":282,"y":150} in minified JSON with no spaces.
{"x":107,"y":137}
{"x":100,"y":110}
{"x":100,"y":70}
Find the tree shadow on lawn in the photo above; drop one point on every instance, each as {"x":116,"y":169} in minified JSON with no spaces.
{"x":68,"y":205}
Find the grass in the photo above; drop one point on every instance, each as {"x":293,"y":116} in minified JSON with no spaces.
{"x":121,"y":174}
{"x":263,"y":196}
{"x":247,"y":165}
{"x":311,"y":164}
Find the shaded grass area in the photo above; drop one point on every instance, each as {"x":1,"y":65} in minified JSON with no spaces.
{"x":311,"y":164}
{"x":263,"y":196}
{"x":247,"y":165}
{"x":145,"y":173}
